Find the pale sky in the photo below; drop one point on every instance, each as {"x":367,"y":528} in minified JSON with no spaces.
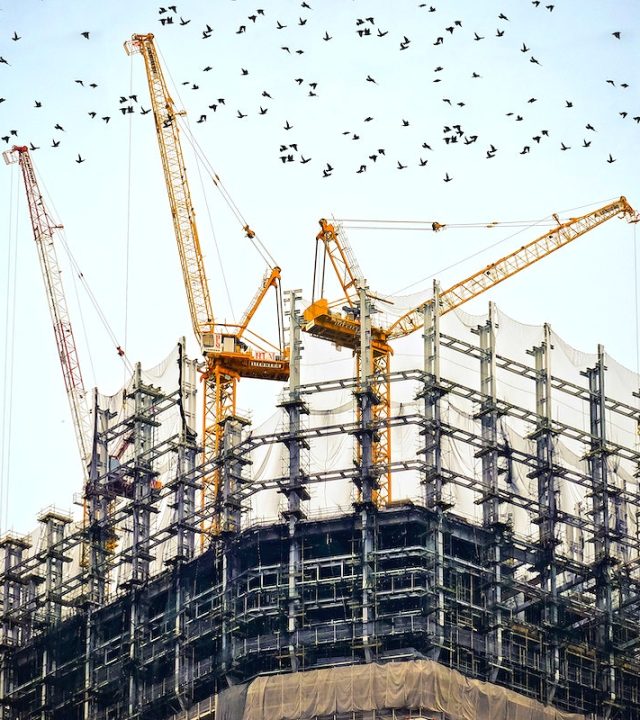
{"x":490,"y":82}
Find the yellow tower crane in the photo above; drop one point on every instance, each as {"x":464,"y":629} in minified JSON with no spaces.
{"x":324,"y":319}
{"x":228,"y":357}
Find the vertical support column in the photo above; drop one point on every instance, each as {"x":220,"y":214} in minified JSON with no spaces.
{"x":490,"y":499}
{"x":143,"y":489}
{"x":54,"y":524}
{"x":601,"y":498}
{"x":295,"y":488}
{"x":546,"y":519}
{"x":95,"y":553}
{"x":230,"y":517}
{"x":433,"y":481}
{"x":367,"y":478}
{"x":12,"y":591}
{"x":184,"y":498}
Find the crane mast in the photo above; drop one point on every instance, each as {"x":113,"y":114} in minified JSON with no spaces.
{"x":322,"y":321}
{"x":43,"y":232}
{"x":227,"y":356}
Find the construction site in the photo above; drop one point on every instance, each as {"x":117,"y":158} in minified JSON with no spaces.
{"x":450,"y":531}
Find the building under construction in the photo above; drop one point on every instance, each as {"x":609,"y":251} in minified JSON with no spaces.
{"x":513,"y":559}
{"x":454,"y":535}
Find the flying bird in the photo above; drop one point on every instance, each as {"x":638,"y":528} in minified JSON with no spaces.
{"x":57,"y":126}
{"x":85,"y":34}
{"x":55,"y":143}
{"x":3,"y":61}
{"x":15,"y":36}
{"x":564,"y":147}
{"x":401,"y":166}
{"x":370,"y":79}
{"x":326,"y":36}
{"x":287,"y":126}
{"x":616,"y":34}
{"x":447,"y":178}
{"x":80,"y":159}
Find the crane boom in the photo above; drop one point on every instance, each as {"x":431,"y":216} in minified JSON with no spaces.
{"x":513,"y":263}
{"x":175,"y":174}
{"x":227,"y":356}
{"x":43,"y":232}
{"x":344,"y":330}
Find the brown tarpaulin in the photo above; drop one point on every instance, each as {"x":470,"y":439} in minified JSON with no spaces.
{"x":421,"y":685}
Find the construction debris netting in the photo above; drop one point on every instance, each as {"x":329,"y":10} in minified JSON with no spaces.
{"x":421,"y":685}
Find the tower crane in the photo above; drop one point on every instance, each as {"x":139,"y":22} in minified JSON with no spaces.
{"x":323,"y":319}
{"x":44,"y":229}
{"x":228,"y":357}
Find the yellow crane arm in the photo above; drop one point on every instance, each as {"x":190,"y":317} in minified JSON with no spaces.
{"x":511,"y":264}
{"x":271,"y":279}
{"x":343,"y":259}
{"x":175,"y":174}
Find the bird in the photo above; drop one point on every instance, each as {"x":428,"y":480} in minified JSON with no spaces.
{"x":202,"y":118}
{"x":80,"y":159}
{"x":623,"y":114}
{"x":475,"y":75}
{"x":533,"y":60}
{"x":302,"y":21}
{"x":589,"y":126}
{"x":370,"y":79}
{"x":3,"y":100}
{"x":368,"y":119}
{"x":381,"y":33}
{"x":405,"y":123}
{"x":502,"y":16}
{"x":244,"y":71}
{"x":532,"y":100}
{"x":57,"y":126}
{"x":38,"y":104}
{"x":55,"y":143}
{"x":207,"y":69}
{"x":564,"y":147}
{"x":447,"y":177}
{"x":550,"y":7}
{"x":33,"y":147}
{"x":279,"y":25}
{"x":3,"y":61}
{"x":143,"y":111}
{"x":5,"y":138}
{"x":585,"y":143}
{"x":439,"y":41}
{"x":568,"y":103}
{"x":81,"y":82}
{"x":611,"y":82}
{"x":241,"y":115}
{"x":499,"y":33}
{"x":304,"y":160}
{"x":305,"y":5}
{"x":401,"y":166}
{"x":361,"y":169}
{"x":85,"y":34}
{"x":266,"y":94}
{"x":326,"y":173}
{"x":477,"y":37}
{"x":106,"y":119}
{"x":15,"y":36}
{"x":525,"y":150}
{"x":241,"y":29}
{"x":524,"y":48}
{"x":92,"y":114}
{"x":184,"y":22}
{"x":263,"y":111}
{"x":423,"y":162}
{"x":616,"y":34}
{"x":326,"y":36}
{"x":287,"y":126}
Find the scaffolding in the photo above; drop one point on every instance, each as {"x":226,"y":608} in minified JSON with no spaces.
{"x":515,"y":560}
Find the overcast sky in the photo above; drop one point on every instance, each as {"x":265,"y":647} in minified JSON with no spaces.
{"x":393,"y":97}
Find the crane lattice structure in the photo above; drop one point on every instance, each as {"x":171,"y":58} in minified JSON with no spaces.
{"x":228,"y":357}
{"x":44,"y":229}
{"x":324,"y":320}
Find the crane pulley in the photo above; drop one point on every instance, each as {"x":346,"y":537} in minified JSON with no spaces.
{"x":322,"y":320}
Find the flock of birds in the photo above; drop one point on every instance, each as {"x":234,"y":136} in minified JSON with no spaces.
{"x":291,"y":150}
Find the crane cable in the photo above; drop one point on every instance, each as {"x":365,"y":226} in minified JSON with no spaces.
{"x":435,"y":226}
{"x":80,"y":275}
{"x":215,"y":179}
{"x":187,"y":132}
